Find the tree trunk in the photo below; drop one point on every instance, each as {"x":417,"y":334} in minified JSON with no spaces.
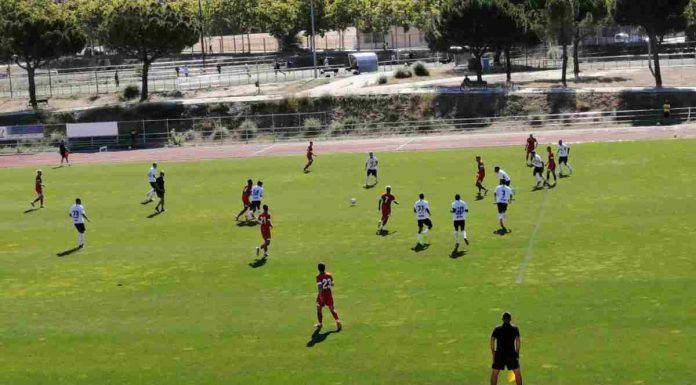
{"x":144,"y":88}
{"x":564,"y":66}
{"x":249,"y":41}
{"x":508,"y":65}
{"x":656,"y":59}
{"x":343,"y":40}
{"x":576,"y":54}
{"x":496,"y":56}
{"x":31,"y":72}
{"x":479,"y":67}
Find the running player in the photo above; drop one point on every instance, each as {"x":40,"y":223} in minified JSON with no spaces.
{"x":79,"y":215}
{"x":152,"y":179}
{"x":38,"y":187}
{"x":246,"y":194}
{"x":310,"y":156}
{"x":459,"y":211}
{"x":325,"y":282}
{"x":371,"y":168}
{"x":563,"y":154}
{"x":384,"y":205}
{"x":256,"y":197}
{"x":160,"y":192}
{"x":538,"y":172}
{"x":266,"y":226}
{"x":422,"y":210}
{"x":530,"y":146}
{"x":480,"y":176}
{"x":63,"y":151}
{"x":503,"y":197}
{"x":502,"y":176}
{"x":551,"y":166}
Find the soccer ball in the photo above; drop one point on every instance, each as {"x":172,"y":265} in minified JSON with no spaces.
{"x":353,"y":201}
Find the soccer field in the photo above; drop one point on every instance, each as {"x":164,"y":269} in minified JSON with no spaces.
{"x":599,"y":273}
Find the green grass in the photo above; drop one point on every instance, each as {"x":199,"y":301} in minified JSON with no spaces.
{"x":607,"y":297}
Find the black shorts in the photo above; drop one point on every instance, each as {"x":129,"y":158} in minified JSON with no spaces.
{"x":538,"y":170}
{"x":153,"y":185}
{"x":506,"y":361}
{"x":504,"y":182}
{"x":80,"y":227}
{"x":372,"y":172}
{"x":255,"y":205}
{"x":160,"y":194}
{"x":502,"y":208}
{"x":563,"y":159}
{"x":425,"y":222}
{"x":459,"y":225}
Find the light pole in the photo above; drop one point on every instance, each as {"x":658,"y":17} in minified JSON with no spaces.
{"x":200,"y":16}
{"x":314,"y":42}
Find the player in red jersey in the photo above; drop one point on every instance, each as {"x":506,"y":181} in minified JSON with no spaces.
{"x":264,"y":221}
{"x":551,"y":167}
{"x":310,"y":156}
{"x":324,"y":298}
{"x":384,"y":205}
{"x":530,"y":146}
{"x":38,"y":187}
{"x":246,"y":193}
{"x":480,"y":176}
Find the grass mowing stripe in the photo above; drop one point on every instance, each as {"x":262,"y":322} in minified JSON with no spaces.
{"x":528,"y":252}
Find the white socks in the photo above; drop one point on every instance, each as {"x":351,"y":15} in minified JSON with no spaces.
{"x":459,"y":235}
{"x":80,"y":239}
{"x":464,"y":234}
{"x":150,"y":194}
{"x":420,"y":238}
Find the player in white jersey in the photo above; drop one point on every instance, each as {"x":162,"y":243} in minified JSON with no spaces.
{"x":563,"y":154}
{"x":503,"y":197}
{"x":538,"y":172}
{"x":502,"y":175}
{"x":256,"y":197}
{"x":422,"y":210}
{"x":79,"y":215}
{"x":371,"y":168}
{"x":459,"y":211}
{"x":152,"y":179}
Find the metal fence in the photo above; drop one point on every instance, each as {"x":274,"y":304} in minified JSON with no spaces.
{"x":320,"y":126}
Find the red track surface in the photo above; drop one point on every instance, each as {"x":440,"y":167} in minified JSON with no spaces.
{"x":414,"y":143}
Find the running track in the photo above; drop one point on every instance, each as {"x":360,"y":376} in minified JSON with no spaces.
{"x":388,"y":144}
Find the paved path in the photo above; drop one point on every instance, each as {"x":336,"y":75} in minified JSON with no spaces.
{"x":387,"y":144}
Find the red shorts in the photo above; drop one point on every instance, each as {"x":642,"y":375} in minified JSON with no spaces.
{"x":552,"y":166}
{"x":266,"y":234}
{"x":480,"y":177}
{"x":386,"y":213}
{"x":245,"y":200}
{"x":309,"y":157}
{"x":39,"y":190}
{"x":325,"y":300}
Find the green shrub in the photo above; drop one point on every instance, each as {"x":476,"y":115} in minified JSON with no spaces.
{"x":131,"y":92}
{"x":312,"y":127}
{"x":219,"y":133}
{"x":403,"y":73}
{"x":382,"y":79}
{"x":247,"y":130}
{"x":420,"y":69}
{"x":335,"y":128}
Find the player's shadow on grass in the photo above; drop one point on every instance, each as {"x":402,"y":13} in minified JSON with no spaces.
{"x":156,"y":213}
{"x":479,"y":197}
{"x":258,"y":263}
{"x":563,"y":176}
{"x":370,"y":186}
{"x":31,"y":210}
{"x":420,"y":247}
{"x":247,"y":224}
{"x":318,"y":337}
{"x":457,"y":254}
{"x":385,"y":233}
{"x":502,"y":232}
{"x":68,"y":252}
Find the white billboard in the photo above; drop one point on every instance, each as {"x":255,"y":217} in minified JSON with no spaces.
{"x":86,"y":130}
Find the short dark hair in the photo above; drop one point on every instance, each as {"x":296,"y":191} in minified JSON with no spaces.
{"x":496,"y":168}
{"x":321,"y":267}
{"x":507,"y":317}
{"x":457,"y":197}
{"x":78,"y":201}
{"x":421,"y":195}
{"x":265,"y":207}
{"x":249,"y":181}
{"x":259,"y":183}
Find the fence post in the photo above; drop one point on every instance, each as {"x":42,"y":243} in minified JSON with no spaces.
{"x":9,"y":76}
{"x":143,"y":129}
{"x":688,"y":118}
{"x":96,"y":80}
{"x":264,"y":45}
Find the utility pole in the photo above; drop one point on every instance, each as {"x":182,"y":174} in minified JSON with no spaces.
{"x":200,"y":16}
{"x":314,"y":43}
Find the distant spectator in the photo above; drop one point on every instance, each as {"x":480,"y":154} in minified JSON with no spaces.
{"x":666,"y":110}
{"x":133,"y":138}
{"x":258,"y":86}
{"x":116,"y":80}
{"x":219,"y":69}
{"x":277,"y":69}
{"x":178,"y":71}
{"x":210,"y":48}
{"x":186,"y":71}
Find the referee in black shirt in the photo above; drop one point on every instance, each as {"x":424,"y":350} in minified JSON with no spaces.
{"x":505,"y":348}
{"x":160,"y":192}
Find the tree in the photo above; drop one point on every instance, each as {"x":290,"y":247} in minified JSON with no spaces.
{"x":586,"y":14}
{"x":341,"y":15}
{"x":148,"y":30}
{"x":237,"y":17}
{"x":90,"y":15}
{"x":378,"y":16}
{"x":559,"y":24}
{"x":691,"y":19}
{"x":657,"y":17}
{"x":466,"y":23}
{"x":511,"y":31}
{"x":281,"y":19}
{"x":34,"y":32}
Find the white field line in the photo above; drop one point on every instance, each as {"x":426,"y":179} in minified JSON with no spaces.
{"x":261,"y":151}
{"x":528,"y":254}
{"x":401,"y":146}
